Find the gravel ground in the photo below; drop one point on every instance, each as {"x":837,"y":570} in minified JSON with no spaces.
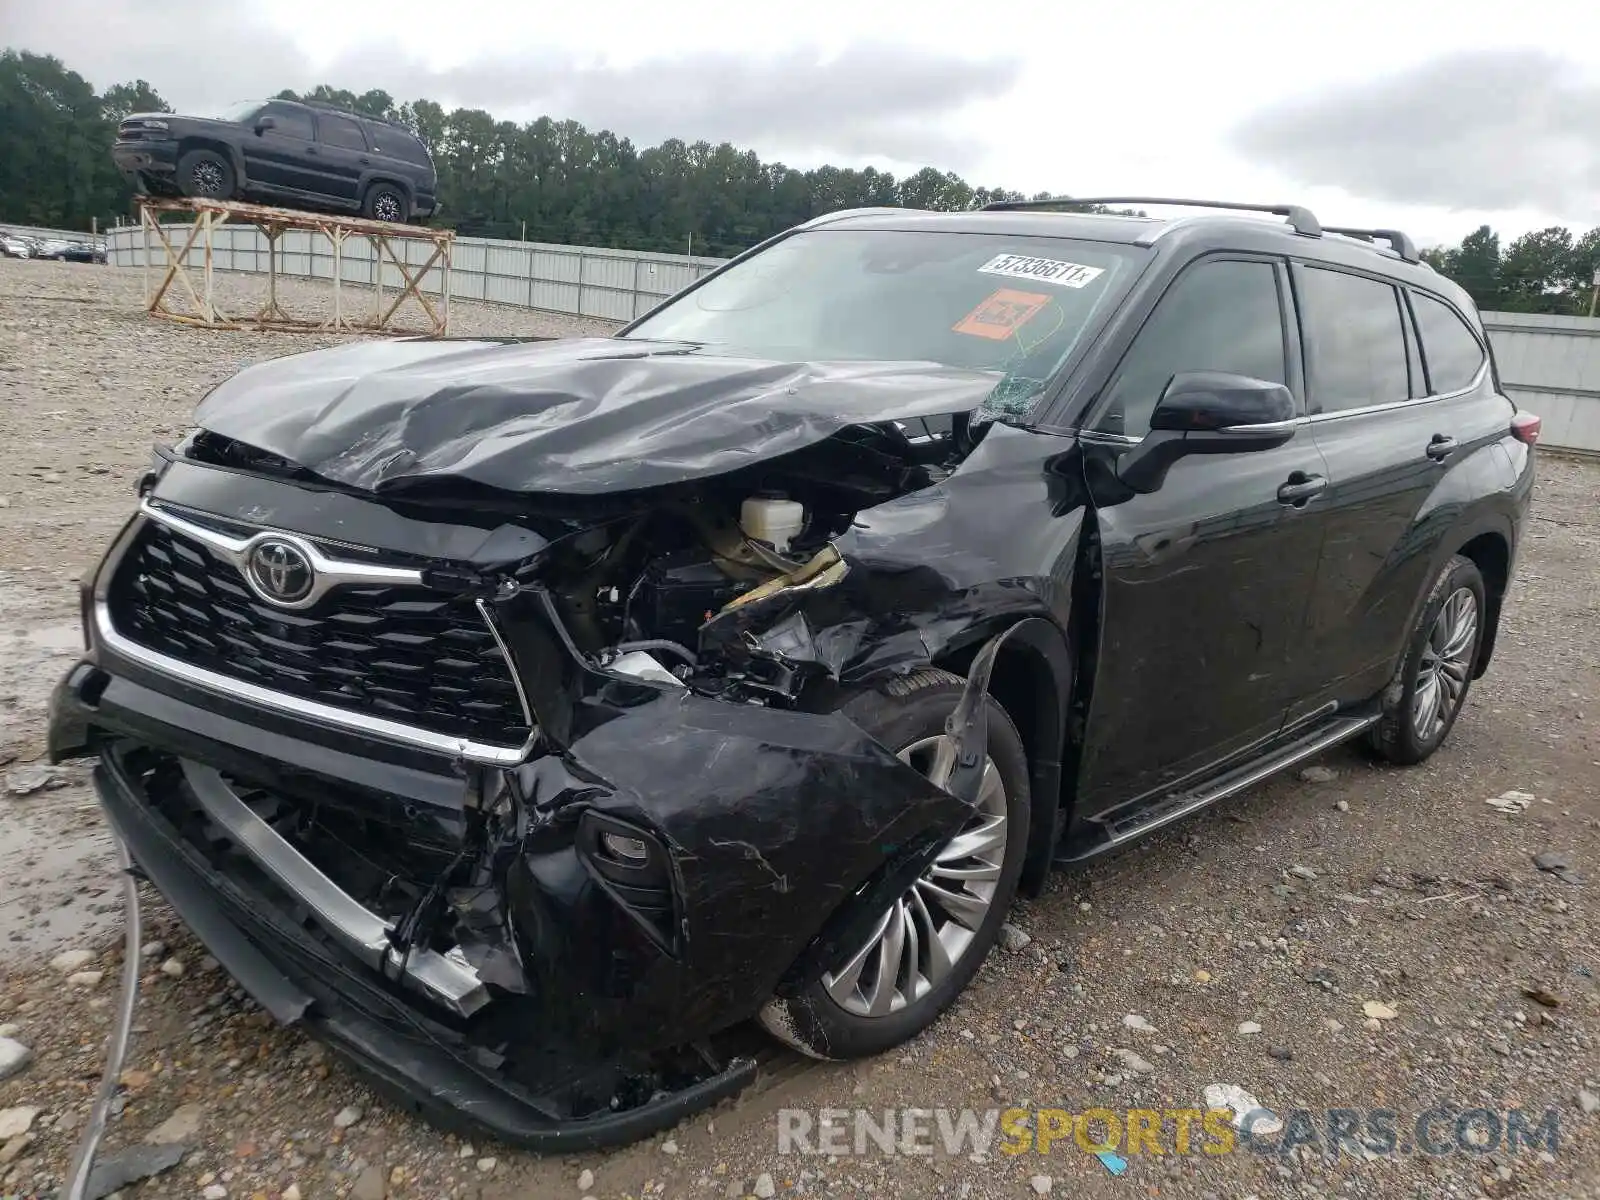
{"x":1353,"y":936}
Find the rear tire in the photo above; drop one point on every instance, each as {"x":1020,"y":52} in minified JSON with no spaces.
{"x":1430,"y":687}
{"x":386,"y":202}
{"x":206,"y":175}
{"x":908,"y":716}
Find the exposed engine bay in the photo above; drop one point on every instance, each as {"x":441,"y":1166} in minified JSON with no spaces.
{"x":635,"y":590}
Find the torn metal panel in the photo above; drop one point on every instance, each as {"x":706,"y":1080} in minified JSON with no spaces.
{"x":926,"y":573}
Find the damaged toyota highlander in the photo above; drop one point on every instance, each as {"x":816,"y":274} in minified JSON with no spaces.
{"x":532,"y":719}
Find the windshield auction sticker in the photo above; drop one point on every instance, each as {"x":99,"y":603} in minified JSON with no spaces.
{"x":1001,"y":314}
{"x":1042,"y":270}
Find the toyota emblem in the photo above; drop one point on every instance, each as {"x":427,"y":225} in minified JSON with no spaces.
{"x":280,"y":572}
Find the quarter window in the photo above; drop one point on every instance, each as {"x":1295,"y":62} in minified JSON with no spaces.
{"x":1452,"y":351}
{"x":338,"y":131}
{"x":1357,"y":343}
{"x":1222,"y":315}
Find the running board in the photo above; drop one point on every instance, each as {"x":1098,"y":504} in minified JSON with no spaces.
{"x":1119,"y":831}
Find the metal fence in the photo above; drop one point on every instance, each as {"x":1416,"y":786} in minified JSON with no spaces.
{"x":615,"y":285}
{"x":1549,"y":364}
{"x":43,"y":234}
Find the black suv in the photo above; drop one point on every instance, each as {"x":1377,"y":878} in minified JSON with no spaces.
{"x":282,"y":152}
{"x":578,"y":701}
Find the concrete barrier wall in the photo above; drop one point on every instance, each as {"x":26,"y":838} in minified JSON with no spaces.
{"x":1549,"y":364}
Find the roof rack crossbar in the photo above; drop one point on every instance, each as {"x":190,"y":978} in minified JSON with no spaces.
{"x":1402,"y":244}
{"x":1300,"y":217}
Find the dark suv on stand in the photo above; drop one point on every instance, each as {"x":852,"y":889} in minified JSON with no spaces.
{"x":524,"y":717}
{"x":282,"y":152}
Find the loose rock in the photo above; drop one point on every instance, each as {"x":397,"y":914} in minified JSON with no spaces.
{"x":1378,"y":1011}
{"x":1013,"y":938}
{"x":1135,"y":1021}
{"x":24,"y":781}
{"x":14,"y":1057}
{"x":347,"y":1117}
{"x":1247,"y":1028}
{"x":1133,"y":1062}
{"x":14,"y":1122}
{"x":69,"y":961}
{"x":173,"y":968}
{"x":1319,"y":775}
{"x":1511,"y":802}
{"x":585,"y":1180}
{"x":181,"y":1126}
{"x":1041,"y":1184}
{"x":370,"y":1185}
{"x":764,"y":1187}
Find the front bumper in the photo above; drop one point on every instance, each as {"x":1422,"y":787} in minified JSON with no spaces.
{"x":145,"y":159}
{"x":424,"y":1065}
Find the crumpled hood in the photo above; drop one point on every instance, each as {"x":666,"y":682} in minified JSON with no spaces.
{"x":586,"y":415}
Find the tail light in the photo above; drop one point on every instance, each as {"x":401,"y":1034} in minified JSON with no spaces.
{"x":1525,"y":428}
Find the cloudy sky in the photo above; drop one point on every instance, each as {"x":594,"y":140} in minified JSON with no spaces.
{"x":1433,"y":116}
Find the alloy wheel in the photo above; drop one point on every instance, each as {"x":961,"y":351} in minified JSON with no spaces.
{"x":386,"y":207}
{"x":1446,"y":663}
{"x":925,"y":933}
{"x":207,"y":178}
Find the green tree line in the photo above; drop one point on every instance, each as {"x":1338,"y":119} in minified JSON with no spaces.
{"x":1545,"y":271}
{"x":556,"y":181}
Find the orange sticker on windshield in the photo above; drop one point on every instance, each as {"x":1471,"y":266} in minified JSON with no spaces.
{"x":1001,"y":314}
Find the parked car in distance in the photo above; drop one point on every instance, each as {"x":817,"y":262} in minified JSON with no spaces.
{"x":14,"y":245}
{"x":526,"y":716}
{"x":285,"y":153}
{"x":52,"y":248}
{"x":84,"y":252}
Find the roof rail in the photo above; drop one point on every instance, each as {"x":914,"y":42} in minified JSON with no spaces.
{"x":1402,"y":245}
{"x":1301,"y":218}
{"x":330,"y":106}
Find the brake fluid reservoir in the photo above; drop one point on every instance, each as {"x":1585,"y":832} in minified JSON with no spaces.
{"x":773,"y":518}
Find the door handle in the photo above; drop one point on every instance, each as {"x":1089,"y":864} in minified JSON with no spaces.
{"x":311,"y":149}
{"x":1442,"y":447}
{"x":1300,"y":487}
{"x":364,"y":161}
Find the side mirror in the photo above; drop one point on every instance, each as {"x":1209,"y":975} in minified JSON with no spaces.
{"x":1208,"y":412}
{"x":265,"y":123}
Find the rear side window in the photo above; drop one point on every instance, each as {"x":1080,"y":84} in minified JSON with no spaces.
{"x":1450,"y":349}
{"x":396,"y":143}
{"x":1356,"y":341}
{"x":1219,"y":316}
{"x":340,"y":131}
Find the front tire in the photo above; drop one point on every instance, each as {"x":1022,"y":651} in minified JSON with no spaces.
{"x":1421,"y":705}
{"x":206,"y":175}
{"x":925,"y":949}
